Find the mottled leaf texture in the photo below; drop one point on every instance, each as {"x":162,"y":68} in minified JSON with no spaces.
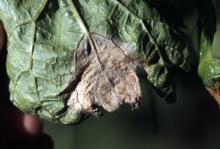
{"x":67,"y":59}
{"x":209,"y":68}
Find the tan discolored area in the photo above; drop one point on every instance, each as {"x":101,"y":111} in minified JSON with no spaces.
{"x":215,"y":92}
{"x":108,"y":79}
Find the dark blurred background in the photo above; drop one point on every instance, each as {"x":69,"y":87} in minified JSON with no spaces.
{"x":192,"y":122}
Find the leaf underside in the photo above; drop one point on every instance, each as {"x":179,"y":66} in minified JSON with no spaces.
{"x":69,"y":58}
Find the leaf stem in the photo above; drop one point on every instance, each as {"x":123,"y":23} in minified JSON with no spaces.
{"x":84,"y":27}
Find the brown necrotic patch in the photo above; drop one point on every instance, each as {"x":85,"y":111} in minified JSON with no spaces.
{"x":215,"y":91}
{"x":107,"y":78}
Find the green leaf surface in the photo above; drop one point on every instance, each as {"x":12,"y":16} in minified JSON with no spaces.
{"x":209,"y":67}
{"x":66,"y":58}
{"x":209,"y":63}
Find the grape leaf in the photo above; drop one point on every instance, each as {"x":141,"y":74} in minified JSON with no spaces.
{"x":209,"y":68}
{"x":209,"y":62}
{"x":68,"y":58}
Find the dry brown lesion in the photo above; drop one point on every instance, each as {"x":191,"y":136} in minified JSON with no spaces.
{"x":215,"y":91}
{"x":108,"y":80}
